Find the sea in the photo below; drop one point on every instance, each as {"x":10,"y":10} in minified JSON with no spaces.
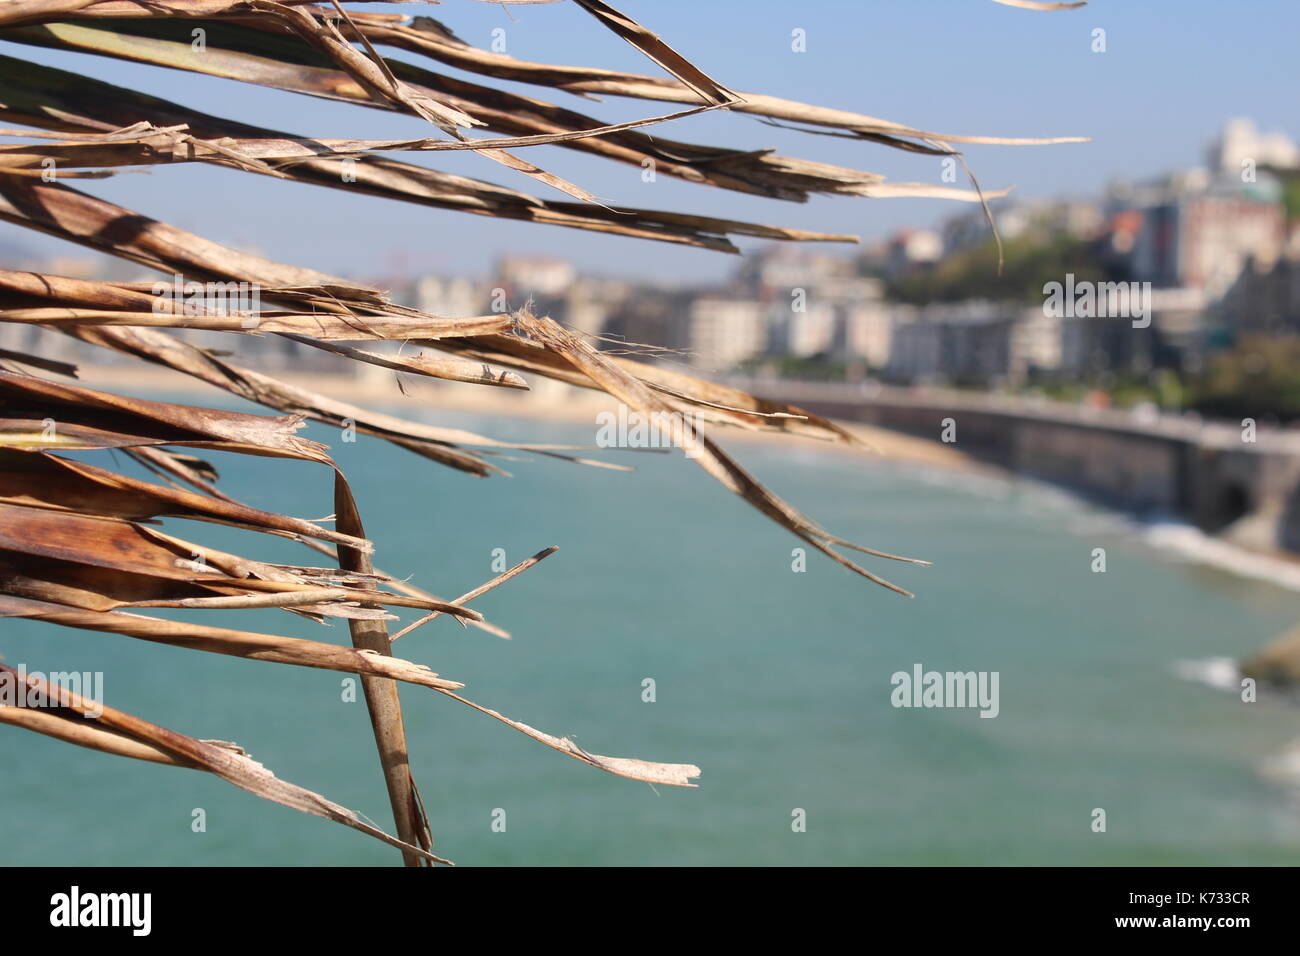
{"x":675,"y":623}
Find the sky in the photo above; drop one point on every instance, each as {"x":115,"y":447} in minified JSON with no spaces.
{"x":1172,"y":72}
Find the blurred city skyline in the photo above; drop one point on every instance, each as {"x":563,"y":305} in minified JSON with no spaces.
{"x":1168,"y":291}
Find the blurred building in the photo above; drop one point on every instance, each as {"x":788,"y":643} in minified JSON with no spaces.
{"x":1197,"y":231}
{"x":723,"y":332}
{"x":454,"y":298}
{"x":524,"y":276}
{"x":971,"y":343}
{"x":911,"y":249}
{"x":1042,"y":219}
{"x":866,"y":331}
{"x":778,"y":269}
{"x":1265,"y":300}
{"x":1241,"y":145}
{"x":804,"y":333}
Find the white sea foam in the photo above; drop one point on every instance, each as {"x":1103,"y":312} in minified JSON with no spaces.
{"x":1192,"y":544}
{"x":1221,"y":673}
{"x":1040,"y":500}
{"x":1285,"y":769}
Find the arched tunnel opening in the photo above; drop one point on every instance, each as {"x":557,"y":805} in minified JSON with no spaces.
{"x":1233,"y":504}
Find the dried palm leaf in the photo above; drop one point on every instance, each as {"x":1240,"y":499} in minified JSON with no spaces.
{"x":80,"y":544}
{"x":259,"y":53}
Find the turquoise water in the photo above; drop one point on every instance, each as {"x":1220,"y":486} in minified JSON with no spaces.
{"x":776,"y":683}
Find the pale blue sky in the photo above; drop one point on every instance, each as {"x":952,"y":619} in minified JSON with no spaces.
{"x":1173,"y":71}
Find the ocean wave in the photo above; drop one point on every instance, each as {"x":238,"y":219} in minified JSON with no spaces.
{"x":1221,"y":673}
{"x":1192,"y":544}
{"x":1038,"y":500}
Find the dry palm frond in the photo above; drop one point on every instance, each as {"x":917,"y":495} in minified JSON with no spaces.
{"x":1046,"y":6}
{"x":80,"y":544}
{"x":98,"y":727}
{"x":72,"y":104}
{"x":260,"y":54}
